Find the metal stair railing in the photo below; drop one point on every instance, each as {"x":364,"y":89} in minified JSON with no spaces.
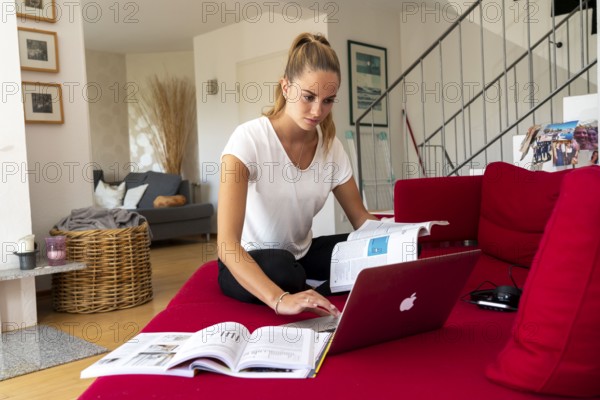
{"x":510,"y":67}
{"x":439,"y":134}
{"x":524,"y":116}
{"x":393,"y":85}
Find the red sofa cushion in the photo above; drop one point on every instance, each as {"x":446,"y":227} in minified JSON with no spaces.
{"x":202,"y":286}
{"x":452,"y":358}
{"x":454,"y":199}
{"x":515,"y":207}
{"x":555,"y":347}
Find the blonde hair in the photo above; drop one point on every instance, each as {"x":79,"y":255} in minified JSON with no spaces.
{"x":309,"y":51}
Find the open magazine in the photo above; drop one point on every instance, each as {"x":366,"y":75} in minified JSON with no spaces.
{"x":229,"y":348}
{"x":374,"y":244}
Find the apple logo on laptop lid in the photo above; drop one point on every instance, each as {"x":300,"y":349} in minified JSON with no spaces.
{"x":408,"y":302}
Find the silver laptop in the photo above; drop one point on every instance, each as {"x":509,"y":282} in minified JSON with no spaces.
{"x":398,"y":300}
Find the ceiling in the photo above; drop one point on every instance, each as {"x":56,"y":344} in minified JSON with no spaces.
{"x":124,"y":26}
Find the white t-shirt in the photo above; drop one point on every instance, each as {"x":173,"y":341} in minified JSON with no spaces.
{"x":282,"y":200}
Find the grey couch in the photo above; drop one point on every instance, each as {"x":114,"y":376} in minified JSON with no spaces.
{"x":168,"y":222}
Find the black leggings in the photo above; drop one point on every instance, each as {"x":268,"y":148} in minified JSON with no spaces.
{"x":283,"y":269}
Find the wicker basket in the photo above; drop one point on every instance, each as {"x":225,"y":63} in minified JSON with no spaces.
{"x":118,"y":273}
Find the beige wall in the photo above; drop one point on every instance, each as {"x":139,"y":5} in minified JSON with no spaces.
{"x":139,"y":68}
{"x":120,"y":141}
{"x":107,"y":74}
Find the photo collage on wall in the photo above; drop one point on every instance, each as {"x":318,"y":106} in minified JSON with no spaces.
{"x":569,"y":144}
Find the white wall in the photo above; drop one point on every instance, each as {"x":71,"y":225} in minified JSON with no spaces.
{"x":378,"y":27}
{"x":404,"y":36}
{"x":14,"y":192}
{"x":140,"y":67}
{"x":218,"y":115}
{"x":217,"y":55}
{"x":59,"y":169}
{"x":106,"y":73}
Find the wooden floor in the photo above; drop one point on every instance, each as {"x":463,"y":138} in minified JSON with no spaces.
{"x":173,"y":263}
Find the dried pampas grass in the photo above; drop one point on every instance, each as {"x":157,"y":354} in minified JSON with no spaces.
{"x":168,"y":106}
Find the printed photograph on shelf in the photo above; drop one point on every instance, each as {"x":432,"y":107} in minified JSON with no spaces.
{"x":529,"y":140}
{"x":38,"y":50}
{"x":569,"y":144}
{"x":586,"y":138}
{"x":368,"y":81}
{"x":565,"y":151}
{"x":40,"y":10}
{"x":555,"y":143}
{"x":542,"y":146}
{"x":42,"y":103}
{"x":586,"y":135}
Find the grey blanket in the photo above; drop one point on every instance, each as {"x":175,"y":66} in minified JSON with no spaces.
{"x":82,"y":219}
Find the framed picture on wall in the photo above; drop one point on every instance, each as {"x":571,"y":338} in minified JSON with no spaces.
{"x":42,"y":103}
{"x":38,"y":50}
{"x":368,"y":80}
{"x":41,"y":10}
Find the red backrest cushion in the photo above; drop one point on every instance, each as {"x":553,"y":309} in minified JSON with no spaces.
{"x":515,"y":206}
{"x":452,"y":199}
{"x":555,"y":346}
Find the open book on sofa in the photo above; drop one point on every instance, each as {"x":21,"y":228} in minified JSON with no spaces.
{"x":228,"y":348}
{"x":374,"y":244}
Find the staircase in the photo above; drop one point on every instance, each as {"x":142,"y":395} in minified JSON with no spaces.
{"x":479,"y":84}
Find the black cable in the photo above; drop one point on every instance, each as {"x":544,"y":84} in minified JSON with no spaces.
{"x":511,"y":277}
{"x":476,"y":289}
{"x":510,"y":273}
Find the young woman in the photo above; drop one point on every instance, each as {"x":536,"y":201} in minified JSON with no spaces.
{"x":276,"y":174}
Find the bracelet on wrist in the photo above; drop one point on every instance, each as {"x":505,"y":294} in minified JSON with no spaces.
{"x":279,"y":301}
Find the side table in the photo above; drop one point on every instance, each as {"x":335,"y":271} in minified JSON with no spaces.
{"x":18,"y":301}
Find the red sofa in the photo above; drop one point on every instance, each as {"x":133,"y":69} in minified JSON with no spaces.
{"x":505,"y":213}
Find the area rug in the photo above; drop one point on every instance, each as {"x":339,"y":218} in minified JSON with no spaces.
{"x":39,"y":347}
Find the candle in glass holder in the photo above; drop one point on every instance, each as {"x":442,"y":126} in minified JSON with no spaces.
{"x":56,"y":250}
{"x":56,"y":254}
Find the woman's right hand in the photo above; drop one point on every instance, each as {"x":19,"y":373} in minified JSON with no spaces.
{"x":308,"y":300}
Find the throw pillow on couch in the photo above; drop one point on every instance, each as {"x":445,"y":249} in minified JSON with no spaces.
{"x":118,"y":196}
{"x":554,"y":348}
{"x":177,"y":200}
{"x":133,"y":197}
{"x":109,"y":196}
{"x":159,"y":184}
{"x":138,"y":191}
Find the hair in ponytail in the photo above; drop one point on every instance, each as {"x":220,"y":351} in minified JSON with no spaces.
{"x":309,"y":51}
